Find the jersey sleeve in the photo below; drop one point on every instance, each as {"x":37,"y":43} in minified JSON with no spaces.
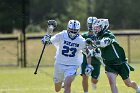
{"x":56,"y":38}
{"x":103,"y":42}
{"x":83,"y":43}
{"x":107,"y":39}
{"x":84,"y":35}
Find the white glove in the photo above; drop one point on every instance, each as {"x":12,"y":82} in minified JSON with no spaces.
{"x":98,"y":54}
{"x":89,"y":69}
{"x":46,"y":39}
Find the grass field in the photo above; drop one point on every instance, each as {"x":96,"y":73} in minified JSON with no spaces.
{"x":22,"y":80}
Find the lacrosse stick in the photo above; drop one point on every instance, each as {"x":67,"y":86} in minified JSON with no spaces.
{"x":99,"y":58}
{"x":51,"y":26}
{"x":98,"y":51}
{"x":101,"y":61}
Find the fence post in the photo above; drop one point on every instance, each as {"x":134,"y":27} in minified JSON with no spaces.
{"x":129,"y":52}
{"x":18,"y":51}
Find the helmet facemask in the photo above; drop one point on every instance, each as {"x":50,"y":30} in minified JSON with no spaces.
{"x":101,"y":25}
{"x":73,"y":33}
{"x":97,"y":29}
{"x":90,"y":22}
{"x":90,"y":28}
{"x":73,"y":29}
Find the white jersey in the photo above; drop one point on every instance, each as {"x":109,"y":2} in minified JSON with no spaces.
{"x":69,"y":52}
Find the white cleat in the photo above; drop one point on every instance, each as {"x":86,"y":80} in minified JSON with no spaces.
{"x":138,"y":90}
{"x":62,"y":86}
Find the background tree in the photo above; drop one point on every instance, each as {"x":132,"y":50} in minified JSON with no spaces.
{"x":123,"y":14}
{"x":11,"y":15}
{"x":60,"y":10}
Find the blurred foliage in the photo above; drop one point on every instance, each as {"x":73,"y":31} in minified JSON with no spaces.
{"x":123,"y":14}
{"x":9,"y":15}
{"x":60,"y":10}
{"x":33,"y":28}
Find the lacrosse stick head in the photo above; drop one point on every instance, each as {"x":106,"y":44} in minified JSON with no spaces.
{"x":52,"y":24}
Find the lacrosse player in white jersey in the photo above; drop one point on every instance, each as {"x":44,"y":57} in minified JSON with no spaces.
{"x":69,"y":45}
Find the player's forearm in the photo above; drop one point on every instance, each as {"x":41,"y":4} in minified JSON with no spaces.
{"x":103,"y":42}
{"x":89,"y":59}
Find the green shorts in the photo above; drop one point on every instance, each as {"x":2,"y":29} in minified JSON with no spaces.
{"x":123,"y":70}
{"x":95,"y":73}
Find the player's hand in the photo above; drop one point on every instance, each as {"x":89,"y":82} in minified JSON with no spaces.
{"x":98,"y":53}
{"x":89,"y":41}
{"x":89,"y":69}
{"x":46,"y":39}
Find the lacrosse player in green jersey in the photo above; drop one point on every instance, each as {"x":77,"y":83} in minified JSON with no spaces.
{"x":85,"y":67}
{"x":113,"y":56}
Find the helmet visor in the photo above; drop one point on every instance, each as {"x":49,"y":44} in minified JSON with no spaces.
{"x":74,"y":31}
{"x":90,"y":28}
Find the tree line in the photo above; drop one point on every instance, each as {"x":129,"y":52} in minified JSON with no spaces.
{"x":122,"y":14}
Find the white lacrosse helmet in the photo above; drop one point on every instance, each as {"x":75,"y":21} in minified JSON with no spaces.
{"x":73,"y":28}
{"x":101,"y":25}
{"x":91,"y":21}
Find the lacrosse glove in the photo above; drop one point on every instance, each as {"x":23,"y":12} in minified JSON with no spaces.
{"x":89,"y":41}
{"x":46,"y":39}
{"x":89,"y":69}
{"x":98,"y":53}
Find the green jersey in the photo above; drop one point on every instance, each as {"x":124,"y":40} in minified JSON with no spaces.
{"x":112,"y":52}
{"x":93,"y":37}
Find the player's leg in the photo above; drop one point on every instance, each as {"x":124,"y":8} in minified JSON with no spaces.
{"x":94,"y":82}
{"x":58,"y":76}
{"x":70,"y":73}
{"x":130,"y":83}
{"x":85,"y":83}
{"x":112,"y":81}
{"x":95,"y":75}
{"x":84,"y":77}
{"x":67,"y":83}
{"x":124,"y":73}
{"x":112,"y":73}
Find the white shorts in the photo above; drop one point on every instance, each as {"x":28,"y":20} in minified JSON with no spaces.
{"x":62,"y":71}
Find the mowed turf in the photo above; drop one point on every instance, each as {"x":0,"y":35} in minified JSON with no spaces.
{"x":23,"y":80}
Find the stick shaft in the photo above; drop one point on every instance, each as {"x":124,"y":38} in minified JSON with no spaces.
{"x":40,"y":58}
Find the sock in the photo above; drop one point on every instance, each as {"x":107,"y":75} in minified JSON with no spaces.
{"x":93,"y":86}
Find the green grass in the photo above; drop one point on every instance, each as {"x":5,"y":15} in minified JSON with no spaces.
{"x":22,"y":80}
